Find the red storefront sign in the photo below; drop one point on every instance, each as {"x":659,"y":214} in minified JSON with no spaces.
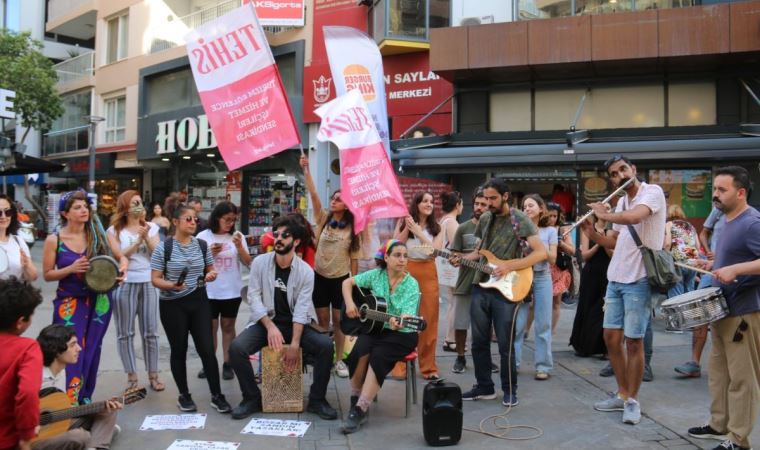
{"x":279,"y":12}
{"x":411,"y":88}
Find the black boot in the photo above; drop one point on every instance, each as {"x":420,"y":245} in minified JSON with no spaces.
{"x":356,"y":418}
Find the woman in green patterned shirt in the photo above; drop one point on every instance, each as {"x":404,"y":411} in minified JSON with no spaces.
{"x":373,"y":356}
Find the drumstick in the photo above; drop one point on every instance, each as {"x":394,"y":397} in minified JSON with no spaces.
{"x":697,"y":269}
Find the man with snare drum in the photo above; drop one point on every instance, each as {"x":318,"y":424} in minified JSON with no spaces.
{"x":734,"y":374}
{"x":628,"y":301}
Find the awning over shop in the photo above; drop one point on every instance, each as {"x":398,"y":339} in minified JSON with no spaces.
{"x":587,"y":153}
{"x":23,"y":165}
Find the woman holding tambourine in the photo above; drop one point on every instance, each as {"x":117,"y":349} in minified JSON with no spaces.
{"x":67,"y":257}
{"x":15,"y":260}
{"x":132,"y":237}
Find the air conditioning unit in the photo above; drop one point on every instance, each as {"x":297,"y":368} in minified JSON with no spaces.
{"x":476,"y":20}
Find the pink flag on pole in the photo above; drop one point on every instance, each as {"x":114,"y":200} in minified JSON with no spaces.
{"x":368,"y":184}
{"x":240,"y":88}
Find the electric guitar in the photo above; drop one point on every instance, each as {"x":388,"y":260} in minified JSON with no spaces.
{"x":373,"y":314}
{"x":56,"y":411}
{"x":513,"y":286}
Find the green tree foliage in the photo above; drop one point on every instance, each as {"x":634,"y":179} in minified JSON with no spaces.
{"x":25,"y":70}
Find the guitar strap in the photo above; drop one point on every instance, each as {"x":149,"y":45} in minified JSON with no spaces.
{"x":522,"y":244}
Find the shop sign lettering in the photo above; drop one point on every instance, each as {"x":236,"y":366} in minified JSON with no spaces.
{"x":6,"y":104}
{"x":184,"y":134}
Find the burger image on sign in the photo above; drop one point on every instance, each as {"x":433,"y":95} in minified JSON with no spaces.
{"x":595,"y":189}
{"x":357,"y":76}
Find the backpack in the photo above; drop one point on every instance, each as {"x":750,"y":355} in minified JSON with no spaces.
{"x":168,"y":246}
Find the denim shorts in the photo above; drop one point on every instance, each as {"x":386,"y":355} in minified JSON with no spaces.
{"x":628,"y":306}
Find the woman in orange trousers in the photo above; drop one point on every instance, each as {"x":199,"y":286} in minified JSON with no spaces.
{"x":418,"y":229}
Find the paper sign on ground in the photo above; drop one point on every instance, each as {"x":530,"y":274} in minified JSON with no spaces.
{"x":184,"y":444}
{"x":274,"y":427}
{"x":174,"y":422}
{"x":240,"y":88}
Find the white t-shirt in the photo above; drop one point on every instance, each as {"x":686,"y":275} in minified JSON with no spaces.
{"x":12,"y":248}
{"x":56,"y":381}
{"x":139,"y":262}
{"x":228,"y":282}
{"x":627,"y":265}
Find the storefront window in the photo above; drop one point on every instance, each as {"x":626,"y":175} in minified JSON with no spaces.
{"x":690,"y":189}
{"x":601,"y":6}
{"x":171,"y":91}
{"x":692,"y":104}
{"x":543,"y":9}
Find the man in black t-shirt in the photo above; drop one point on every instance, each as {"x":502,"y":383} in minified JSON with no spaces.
{"x":279,"y":293}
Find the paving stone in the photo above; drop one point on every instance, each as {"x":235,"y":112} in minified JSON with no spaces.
{"x":669,"y":434}
{"x":649,"y":437}
{"x":673,"y":442}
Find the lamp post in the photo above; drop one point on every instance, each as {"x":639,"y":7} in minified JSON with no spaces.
{"x":93,"y":120}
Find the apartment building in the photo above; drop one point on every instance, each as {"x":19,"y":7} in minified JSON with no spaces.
{"x":546,"y":91}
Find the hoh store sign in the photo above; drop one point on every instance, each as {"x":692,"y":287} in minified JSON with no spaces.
{"x":184,"y":134}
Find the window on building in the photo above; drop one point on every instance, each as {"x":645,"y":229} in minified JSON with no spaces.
{"x":538,"y":9}
{"x":510,"y":111}
{"x":286,"y":64}
{"x":602,"y":6}
{"x":440,"y":13}
{"x":116,"y":119}
{"x":70,"y":131}
{"x":407,"y":18}
{"x":692,"y":104}
{"x":171,"y":91}
{"x":117,"y":38}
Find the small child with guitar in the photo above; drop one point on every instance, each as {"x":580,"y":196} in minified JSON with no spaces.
{"x":20,"y":365}
{"x":96,"y":430}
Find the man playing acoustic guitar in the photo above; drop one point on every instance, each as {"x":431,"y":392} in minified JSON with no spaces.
{"x":500,"y":230}
{"x":60,"y":347}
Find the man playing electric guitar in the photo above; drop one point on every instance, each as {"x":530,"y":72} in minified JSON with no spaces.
{"x":60,"y":347}
{"x":500,"y":230}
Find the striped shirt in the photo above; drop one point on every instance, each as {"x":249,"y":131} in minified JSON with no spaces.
{"x":190,"y":256}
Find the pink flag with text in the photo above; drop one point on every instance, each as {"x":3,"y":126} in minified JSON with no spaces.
{"x":368,"y":184}
{"x":240,"y":88}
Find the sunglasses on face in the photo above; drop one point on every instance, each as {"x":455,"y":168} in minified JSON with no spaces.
{"x":743,"y":326}
{"x":190,"y":219}
{"x":282,"y":234}
{"x":228,"y":219}
{"x":7,"y":212}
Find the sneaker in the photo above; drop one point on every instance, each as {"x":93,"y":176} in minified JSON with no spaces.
{"x":631,"y":412}
{"x":614,"y":403}
{"x":689,"y":369}
{"x":727,"y":444}
{"x":322,"y":409}
{"x":246,"y":408}
{"x":648,"y":374}
{"x":478,"y":393}
{"x":607,"y":371}
{"x":706,"y":432}
{"x":494,"y":368}
{"x":341,"y":369}
{"x":541,"y":375}
{"x":201,"y":374}
{"x":227,"y":372}
{"x":356,"y":418}
{"x":510,"y":400}
{"x":185,"y":403}
{"x":116,"y":431}
{"x":219,"y":403}
{"x":459,"y":365}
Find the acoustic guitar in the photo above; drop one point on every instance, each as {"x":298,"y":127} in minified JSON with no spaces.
{"x":373,"y":315}
{"x":514,"y":286}
{"x":56,"y":411}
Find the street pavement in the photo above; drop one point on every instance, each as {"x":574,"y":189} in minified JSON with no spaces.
{"x":561,"y":407}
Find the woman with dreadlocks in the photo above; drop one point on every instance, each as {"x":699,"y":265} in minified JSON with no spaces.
{"x":65,"y":259}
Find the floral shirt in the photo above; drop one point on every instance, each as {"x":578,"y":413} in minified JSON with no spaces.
{"x":404,"y":300}
{"x":684,"y":241}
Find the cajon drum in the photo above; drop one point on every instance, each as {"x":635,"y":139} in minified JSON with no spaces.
{"x":281,"y":391}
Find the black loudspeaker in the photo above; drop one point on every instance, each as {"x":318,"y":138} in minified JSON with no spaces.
{"x":442,"y":413}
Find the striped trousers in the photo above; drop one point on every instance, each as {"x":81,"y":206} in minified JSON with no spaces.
{"x":137,"y":300}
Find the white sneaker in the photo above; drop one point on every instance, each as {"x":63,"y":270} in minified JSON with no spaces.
{"x":631,"y":412}
{"x":341,"y":370}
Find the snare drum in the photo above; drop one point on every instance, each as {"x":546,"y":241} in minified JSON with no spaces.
{"x":102,"y":274}
{"x":695,"y":308}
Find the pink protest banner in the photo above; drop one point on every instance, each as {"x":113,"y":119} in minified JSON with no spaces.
{"x":240,"y":88}
{"x":367,"y":180}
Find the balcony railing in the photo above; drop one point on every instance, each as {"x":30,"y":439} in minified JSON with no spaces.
{"x":76,"y":68}
{"x":171,"y":34}
{"x":68,"y":140}
{"x":58,"y":8}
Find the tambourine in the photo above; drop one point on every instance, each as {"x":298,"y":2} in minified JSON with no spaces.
{"x":102,"y":273}
{"x":4,"y":263}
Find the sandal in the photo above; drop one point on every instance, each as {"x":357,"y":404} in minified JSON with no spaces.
{"x":132,"y":382}
{"x":449,"y":346}
{"x":156,"y":384}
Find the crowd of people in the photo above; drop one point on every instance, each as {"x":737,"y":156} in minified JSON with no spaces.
{"x":186,"y":273}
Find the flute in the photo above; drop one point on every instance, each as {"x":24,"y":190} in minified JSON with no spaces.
{"x":606,"y":200}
